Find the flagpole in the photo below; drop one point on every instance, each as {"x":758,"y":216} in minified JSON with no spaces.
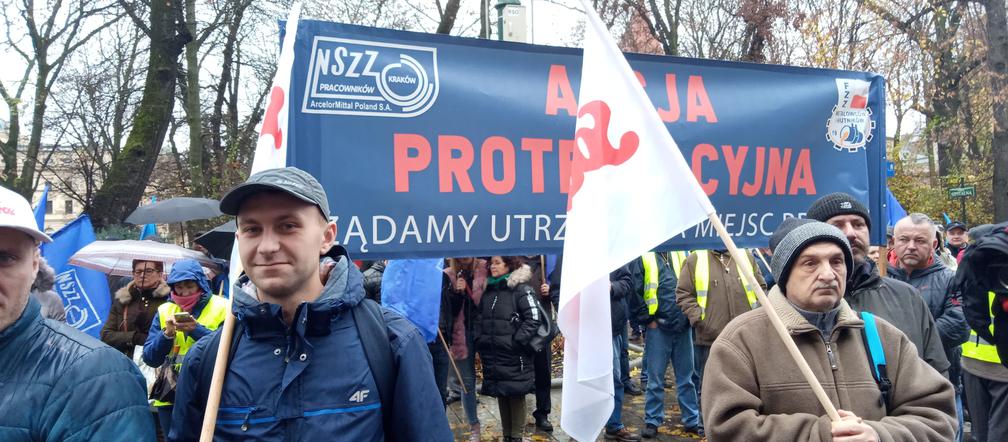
{"x":452,"y":360}
{"x":217,"y":380}
{"x":775,"y":319}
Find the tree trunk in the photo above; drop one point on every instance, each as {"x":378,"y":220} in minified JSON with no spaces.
{"x":9,"y":148}
{"x":25,"y":184}
{"x":997,"y":62}
{"x":448,"y":19}
{"x":131,"y":170}
{"x":192,"y":106}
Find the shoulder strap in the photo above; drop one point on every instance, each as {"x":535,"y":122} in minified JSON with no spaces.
{"x":876,"y":356}
{"x":374,"y":336}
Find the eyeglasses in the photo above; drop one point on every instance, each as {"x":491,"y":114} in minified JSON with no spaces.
{"x":146,"y":272}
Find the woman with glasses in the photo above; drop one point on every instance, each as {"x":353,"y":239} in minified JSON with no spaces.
{"x":134,"y":307}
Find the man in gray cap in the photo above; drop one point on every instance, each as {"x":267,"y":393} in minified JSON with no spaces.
{"x":311,"y":358}
{"x":895,"y":301}
{"x":759,"y":395}
{"x":56,"y":383}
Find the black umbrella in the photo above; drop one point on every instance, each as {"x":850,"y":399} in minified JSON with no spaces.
{"x":175,"y":210}
{"x":219,"y":241}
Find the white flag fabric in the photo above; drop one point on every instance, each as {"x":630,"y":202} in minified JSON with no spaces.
{"x":631,"y":190}
{"x":271,"y":149}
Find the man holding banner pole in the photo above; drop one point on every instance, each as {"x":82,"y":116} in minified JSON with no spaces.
{"x":870,"y":369}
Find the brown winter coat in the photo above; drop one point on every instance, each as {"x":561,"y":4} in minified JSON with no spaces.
{"x":130,"y":317}
{"x":753,"y":391}
{"x":726,"y":297}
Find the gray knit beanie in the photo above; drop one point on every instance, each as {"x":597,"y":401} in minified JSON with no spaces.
{"x":802,"y":235}
{"x":784,"y":228}
{"x":838,"y":203}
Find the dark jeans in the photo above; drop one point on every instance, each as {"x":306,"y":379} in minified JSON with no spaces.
{"x":624,"y":357}
{"x":164,"y":419}
{"x":441,"y":367}
{"x":988,"y":406}
{"x":700,"y":353}
{"x":543,"y":379}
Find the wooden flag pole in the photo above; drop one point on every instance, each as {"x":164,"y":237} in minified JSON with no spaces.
{"x":763,"y":259}
{"x":778,"y":325}
{"x":217,"y":381}
{"x":452,"y":360}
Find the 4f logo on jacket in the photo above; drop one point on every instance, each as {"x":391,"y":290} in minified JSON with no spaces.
{"x":359,"y":396}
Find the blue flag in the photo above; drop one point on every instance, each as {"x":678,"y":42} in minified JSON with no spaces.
{"x":894,"y":209}
{"x":40,"y":209}
{"x":85,"y":292}
{"x":412,"y":287}
{"x":148,"y":229}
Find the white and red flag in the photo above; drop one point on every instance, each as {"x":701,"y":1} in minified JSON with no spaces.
{"x":630,"y":191}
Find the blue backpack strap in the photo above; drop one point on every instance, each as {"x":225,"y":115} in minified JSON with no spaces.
{"x":374,"y":336}
{"x":876,"y":356}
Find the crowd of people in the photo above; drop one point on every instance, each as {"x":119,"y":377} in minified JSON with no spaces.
{"x":313,"y":354}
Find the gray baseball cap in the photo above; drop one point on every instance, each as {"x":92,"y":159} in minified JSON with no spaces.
{"x":290,"y":180}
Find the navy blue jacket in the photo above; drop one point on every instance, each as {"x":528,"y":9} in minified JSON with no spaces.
{"x":668,"y":314}
{"x":936,"y":284}
{"x":157,"y":346}
{"x":56,"y":383}
{"x":311,"y":381}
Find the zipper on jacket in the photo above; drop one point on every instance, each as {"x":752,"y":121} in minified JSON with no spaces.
{"x":831,"y":356}
{"x":245,"y":422}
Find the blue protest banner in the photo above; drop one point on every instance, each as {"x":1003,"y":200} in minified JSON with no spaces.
{"x":431,"y":145}
{"x":412,"y":287}
{"x":85,"y":292}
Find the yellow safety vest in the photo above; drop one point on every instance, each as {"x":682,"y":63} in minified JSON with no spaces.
{"x":701,"y":281}
{"x":978,"y":348}
{"x":678,"y":257}
{"x":211,"y":317}
{"x":650,"y":281}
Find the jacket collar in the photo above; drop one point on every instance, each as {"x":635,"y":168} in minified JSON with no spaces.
{"x":864,"y":275}
{"x":30,"y":318}
{"x":126,"y":294}
{"x":343,"y":289}
{"x":797,"y":324}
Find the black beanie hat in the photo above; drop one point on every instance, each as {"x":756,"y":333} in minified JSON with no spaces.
{"x":838,"y":203}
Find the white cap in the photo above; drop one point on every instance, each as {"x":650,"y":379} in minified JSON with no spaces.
{"x":16,"y":213}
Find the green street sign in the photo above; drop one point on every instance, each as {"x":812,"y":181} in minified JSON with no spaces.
{"x":961,"y":192}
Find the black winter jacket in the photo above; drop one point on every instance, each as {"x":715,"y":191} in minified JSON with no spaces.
{"x":372,"y":280}
{"x":508,"y":320}
{"x":901,"y":305}
{"x":668,"y":314}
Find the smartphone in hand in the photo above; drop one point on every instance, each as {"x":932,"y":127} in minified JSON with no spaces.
{"x":184,"y":317}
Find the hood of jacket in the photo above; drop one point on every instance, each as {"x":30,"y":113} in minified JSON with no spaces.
{"x":864,"y":275}
{"x":124,"y":295}
{"x":935,"y":266}
{"x":343,"y":287}
{"x":521,"y":276}
{"x":189,"y":270}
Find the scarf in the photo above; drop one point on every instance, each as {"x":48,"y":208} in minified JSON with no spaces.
{"x":186,"y":302}
{"x":491,"y":280}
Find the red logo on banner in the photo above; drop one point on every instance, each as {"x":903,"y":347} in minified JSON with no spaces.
{"x":859,"y":102}
{"x":270,"y":120}
{"x":600,"y":151}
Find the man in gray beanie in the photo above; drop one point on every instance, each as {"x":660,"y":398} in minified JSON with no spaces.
{"x":758,"y":394}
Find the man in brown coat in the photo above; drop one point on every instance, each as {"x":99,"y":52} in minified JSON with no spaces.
{"x":758,"y":392}
{"x":711,"y":292}
{"x":134,"y":307}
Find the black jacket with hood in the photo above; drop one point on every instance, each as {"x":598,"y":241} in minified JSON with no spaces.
{"x":507,"y":321}
{"x":901,"y":305}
